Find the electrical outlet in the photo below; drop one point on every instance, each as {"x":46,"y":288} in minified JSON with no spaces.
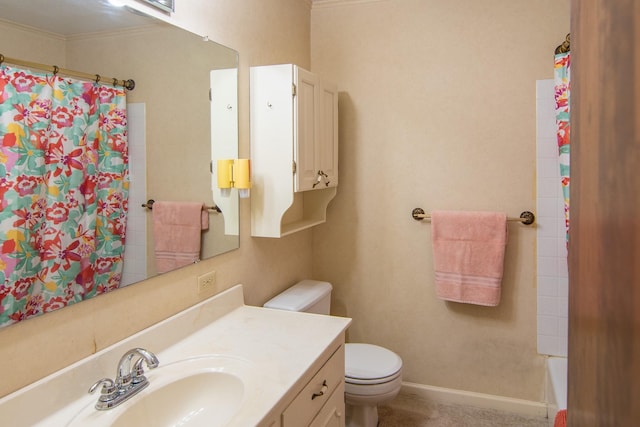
{"x":206,"y":282}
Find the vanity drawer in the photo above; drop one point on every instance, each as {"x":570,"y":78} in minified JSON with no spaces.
{"x":332,"y":413}
{"x":316,"y":393}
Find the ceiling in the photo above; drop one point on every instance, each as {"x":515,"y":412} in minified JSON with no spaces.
{"x":68,"y":17}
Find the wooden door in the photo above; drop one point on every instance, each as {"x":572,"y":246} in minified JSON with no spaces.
{"x":604,"y":248}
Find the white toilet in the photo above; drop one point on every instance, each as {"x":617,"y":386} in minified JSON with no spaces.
{"x":373,"y":374}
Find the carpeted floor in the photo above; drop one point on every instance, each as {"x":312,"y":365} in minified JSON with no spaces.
{"x":407,"y":411}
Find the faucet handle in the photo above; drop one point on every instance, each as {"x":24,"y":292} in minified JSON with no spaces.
{"x":137,"y":373}
{"x":108,"y":391}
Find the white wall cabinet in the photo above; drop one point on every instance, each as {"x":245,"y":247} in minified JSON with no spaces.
{"x":294,"y":149}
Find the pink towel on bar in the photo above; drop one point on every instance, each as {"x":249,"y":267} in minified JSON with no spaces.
{"x":468,"y":255}
{"x":177,"y":228}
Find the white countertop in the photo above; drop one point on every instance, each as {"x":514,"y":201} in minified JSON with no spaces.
{"x":281,"y":346}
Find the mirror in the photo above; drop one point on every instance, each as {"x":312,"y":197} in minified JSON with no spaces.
{"x":174,"y":129}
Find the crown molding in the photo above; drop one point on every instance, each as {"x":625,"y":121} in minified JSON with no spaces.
{"x":30,"y":29}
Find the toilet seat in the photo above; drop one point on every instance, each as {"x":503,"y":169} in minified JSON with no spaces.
{"x":374,"y":381}
{"x":369,"y":364}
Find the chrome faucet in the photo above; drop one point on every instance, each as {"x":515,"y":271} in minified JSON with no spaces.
{"x":129,"y":380}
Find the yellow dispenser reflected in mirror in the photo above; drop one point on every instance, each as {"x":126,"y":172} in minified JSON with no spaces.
{"x":234,"y":173}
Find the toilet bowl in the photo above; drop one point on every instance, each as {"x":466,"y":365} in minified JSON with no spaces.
{"x":373,"y":374}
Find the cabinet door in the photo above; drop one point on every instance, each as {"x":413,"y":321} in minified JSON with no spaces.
{"x":271,"y":423}
{"x":306,"y":104}
{"x":332,"y":413}
{"x":327,"y":146}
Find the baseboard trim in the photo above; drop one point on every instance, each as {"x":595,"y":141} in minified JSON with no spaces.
{"x":321,"y":4}
{"x":478,"y":400}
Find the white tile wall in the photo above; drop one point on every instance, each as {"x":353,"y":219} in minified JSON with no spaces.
{"x":553,"y":283}
{"x":135,"y":255}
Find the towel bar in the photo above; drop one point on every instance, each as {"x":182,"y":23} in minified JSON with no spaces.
{"x":150,"y":202}
{"x":526,"y":217}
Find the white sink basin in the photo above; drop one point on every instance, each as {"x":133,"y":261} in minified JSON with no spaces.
{"x":204,"y":391}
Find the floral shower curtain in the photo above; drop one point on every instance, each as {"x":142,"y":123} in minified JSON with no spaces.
{"x":63,"y":191}
{"x":562,"y":96}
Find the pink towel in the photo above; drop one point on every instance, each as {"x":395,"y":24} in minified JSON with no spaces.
{"x":177,"y":228}
{"x":468,"y":255}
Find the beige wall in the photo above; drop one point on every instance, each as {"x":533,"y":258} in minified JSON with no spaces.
{"x":264,"y":32}
{"x":437,"y":110}
{"x":47,"y":48}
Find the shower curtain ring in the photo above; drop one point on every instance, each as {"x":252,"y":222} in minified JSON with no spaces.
{"x":55,"y":70}
{"x":1,"y":58}
{"x":115,"y":82}
{"x":97,"y":78}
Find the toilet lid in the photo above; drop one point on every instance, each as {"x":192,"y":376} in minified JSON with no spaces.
{"x":368,"y":361}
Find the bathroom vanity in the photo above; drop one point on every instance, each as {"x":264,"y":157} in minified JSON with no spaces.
{"x":222,"y":363}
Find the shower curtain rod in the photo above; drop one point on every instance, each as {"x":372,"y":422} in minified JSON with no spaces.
{"x":565,"y":46}
{"x":127,"y":84}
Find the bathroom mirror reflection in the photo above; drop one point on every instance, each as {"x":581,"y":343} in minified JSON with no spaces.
{"x":174,"y":130}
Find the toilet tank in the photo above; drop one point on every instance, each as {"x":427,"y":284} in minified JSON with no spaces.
{"x":309,"y":296}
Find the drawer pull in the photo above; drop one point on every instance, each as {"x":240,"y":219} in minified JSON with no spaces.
{"x":322,"y":391}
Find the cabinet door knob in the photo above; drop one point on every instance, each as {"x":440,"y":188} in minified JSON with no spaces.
{"x":322,"y":391}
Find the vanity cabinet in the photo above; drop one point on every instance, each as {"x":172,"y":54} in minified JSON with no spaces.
{"x":321,"y":401}
{"x":281,"y":358}
{"x":294,"y":149}
{"x":332,"y":413}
